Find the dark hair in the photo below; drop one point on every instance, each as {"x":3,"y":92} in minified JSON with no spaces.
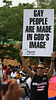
{"x":29,"y":67}
{"x":42,"y":64}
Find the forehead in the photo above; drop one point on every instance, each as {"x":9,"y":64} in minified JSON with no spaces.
{"x":41,"y":65}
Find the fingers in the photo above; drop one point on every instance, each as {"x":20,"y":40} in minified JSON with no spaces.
{"x":12,"y":80}
{"x":14,"y":88}
{"x":21,"y":52}
{"x":53,"y":55}
{"x":12,"y":83}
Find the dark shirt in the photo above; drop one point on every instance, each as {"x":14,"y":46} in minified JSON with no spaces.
{"x":39,"y":88}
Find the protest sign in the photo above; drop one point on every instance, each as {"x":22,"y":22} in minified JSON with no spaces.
{"x":38,"y":32}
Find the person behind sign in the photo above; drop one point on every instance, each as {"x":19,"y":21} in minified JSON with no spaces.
{"x":39,"y":83}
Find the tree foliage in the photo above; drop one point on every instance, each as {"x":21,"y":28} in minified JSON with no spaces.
{"x":7,"y":3}
{"x":11,"y":28}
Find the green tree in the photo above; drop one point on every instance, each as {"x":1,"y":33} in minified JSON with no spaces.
{"x":7,"y":26}
{"x":11,"y":29}
{"x":7,"y":3}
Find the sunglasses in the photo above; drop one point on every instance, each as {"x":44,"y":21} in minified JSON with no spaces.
{"x":40,"y":68}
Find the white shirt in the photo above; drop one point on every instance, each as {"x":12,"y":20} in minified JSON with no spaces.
{"x":13,"y":74}
{"x":28,"y":81}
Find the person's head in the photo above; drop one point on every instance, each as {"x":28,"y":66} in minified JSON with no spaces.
{"x":13,"y":70}
{"x":33,"y":67}
{"x":5,"y":67}
{"x":41,"y":69}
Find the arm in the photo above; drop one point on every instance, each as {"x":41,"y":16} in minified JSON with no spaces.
{"x":50,"y":72}
{"x":27,"y":70}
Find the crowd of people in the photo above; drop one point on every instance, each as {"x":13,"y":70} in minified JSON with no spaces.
{"x":37,"y":79}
